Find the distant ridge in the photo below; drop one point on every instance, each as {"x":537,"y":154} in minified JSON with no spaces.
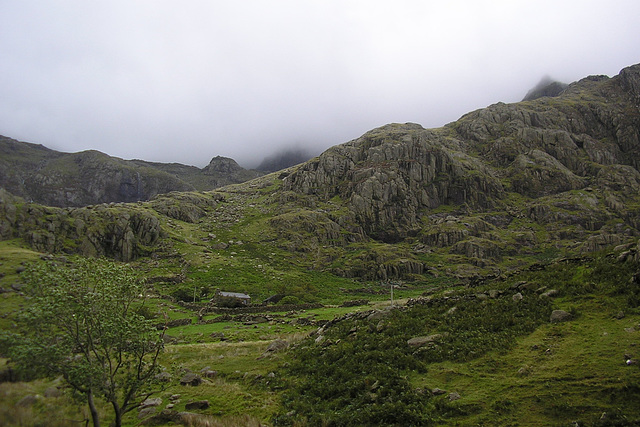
{"x":54,"y":178}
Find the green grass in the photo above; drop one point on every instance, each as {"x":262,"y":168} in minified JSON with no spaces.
{"x":558,"y":374}
{"x":50,"y":411}
{"x":283,"y":325}
{"x":494,"y":354}
{"x":13,"y":254}
{"x":13,"y":257}
{"x":240,"y":386}
{"x":509,"y":364}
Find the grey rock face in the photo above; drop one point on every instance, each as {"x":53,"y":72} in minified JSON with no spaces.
{"x":391,"y":174}
{"x":119,"y":232}
{"x":478,"y":190}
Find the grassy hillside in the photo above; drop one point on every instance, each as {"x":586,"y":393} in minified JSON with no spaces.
{"x":501,"y":354}
{"x":492,"y":351}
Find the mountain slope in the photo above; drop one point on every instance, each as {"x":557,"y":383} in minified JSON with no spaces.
{"x":479,"y":229}
{"x":79,"y":179}
{"x":567,"y":164}
{"x":392,"y":175}
{"x":500,"y":188}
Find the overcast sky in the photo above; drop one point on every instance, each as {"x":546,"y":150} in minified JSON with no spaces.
{"x":170,"y":81}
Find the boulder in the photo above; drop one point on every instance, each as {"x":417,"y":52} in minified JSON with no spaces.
{"x":52,"y":392}
{"x":422,"y":341}
{"x":199,"y":404}
{"x":559,"y":316}
{"x":147,"y":412}
{"x":208,"y":373}
{"x":28,"y":400}
{"x":163,"y":376}
{"x":191,"y":379}
{"x":151,"y":402}
{"x":18,"y":287}
{"x":549,"y":294}
{"x":276,"y":346}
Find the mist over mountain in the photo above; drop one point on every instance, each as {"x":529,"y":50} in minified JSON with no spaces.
{"x":546,"y":87}
{"x":284,"y":158}
{"x":324,"y":213}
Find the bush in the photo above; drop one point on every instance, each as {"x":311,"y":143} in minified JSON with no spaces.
{"x":290,"y":300}
{"x":357,"y":375}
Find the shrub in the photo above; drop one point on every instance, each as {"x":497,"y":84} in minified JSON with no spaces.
{"x":357,"y":374}
{"x":290,"y":300}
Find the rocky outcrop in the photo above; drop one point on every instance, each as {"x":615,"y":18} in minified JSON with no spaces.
{"x":537,"y":173}
{"x":558,"y":316}
{"x":447,"y":231}
{"x":80,"y":179}
{"x":223,"y":171}
{"x":382,"y":264}
{"x":568,"y":161}
{"x":391,"y":175}
{"x":595,"y":120}
{"x":551,"y":175}
{"x":305,"y":230}
{"x":187,"y":207}
{"x":118,"y":231}
{"x":477,"y":249}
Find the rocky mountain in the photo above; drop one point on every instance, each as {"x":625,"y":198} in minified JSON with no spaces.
{"x":502,"y":187}
{"x":53,"y":178}
{"x":579,"y":152}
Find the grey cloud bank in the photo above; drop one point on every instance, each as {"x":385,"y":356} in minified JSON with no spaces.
{"x":184,"y":82}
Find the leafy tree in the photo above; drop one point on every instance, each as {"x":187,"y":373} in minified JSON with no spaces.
{"x":85,"y":322}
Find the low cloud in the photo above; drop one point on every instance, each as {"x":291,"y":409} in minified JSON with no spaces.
{"x":170,"y":82}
